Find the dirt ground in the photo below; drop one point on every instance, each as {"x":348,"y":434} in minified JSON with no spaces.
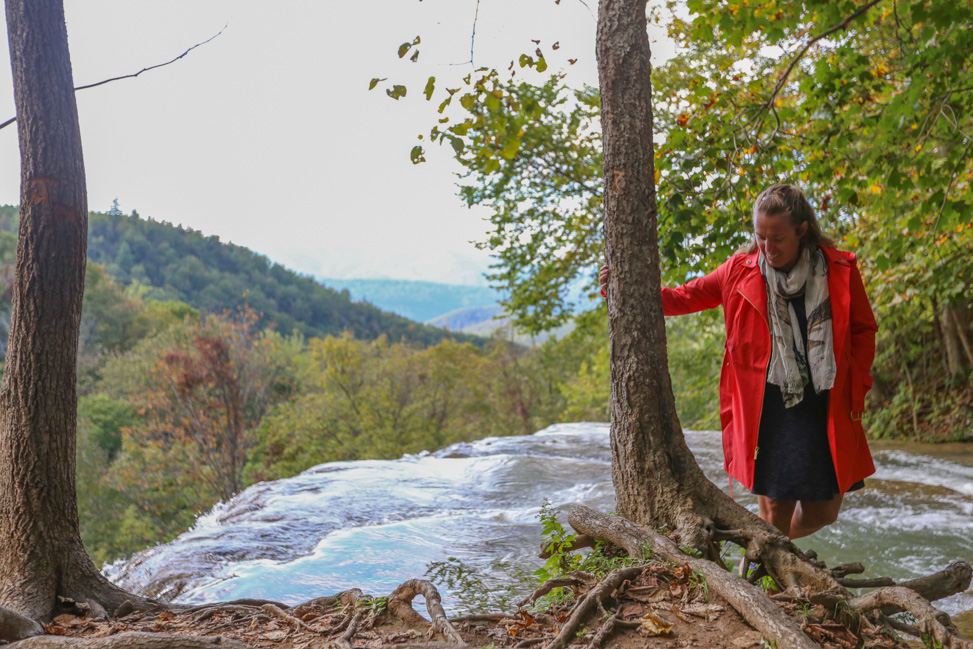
{"x":665,"y":606}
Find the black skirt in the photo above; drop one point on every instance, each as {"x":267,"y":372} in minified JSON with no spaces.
{"x":793,"y":453}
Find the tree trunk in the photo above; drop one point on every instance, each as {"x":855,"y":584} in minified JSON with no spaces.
{"x":656,"y":477}
{"x":951,"y":343}
{"x":42,"y":555}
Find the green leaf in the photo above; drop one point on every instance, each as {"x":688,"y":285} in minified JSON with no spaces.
{"x":404,"y":49}
{"x":417,"y":155}
{"x":396,"y":92}
{"x":430,"y":88}
{"x":374,"y":82}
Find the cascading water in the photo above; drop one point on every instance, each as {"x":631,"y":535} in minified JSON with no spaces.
{"x":374,"y":524}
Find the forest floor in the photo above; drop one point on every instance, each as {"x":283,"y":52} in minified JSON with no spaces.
{"x":661,"y":606}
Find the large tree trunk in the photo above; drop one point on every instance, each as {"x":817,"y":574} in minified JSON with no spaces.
{"x":42,"y":555}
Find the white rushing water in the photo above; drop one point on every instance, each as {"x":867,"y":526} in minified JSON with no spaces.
{"x":374,"y":524}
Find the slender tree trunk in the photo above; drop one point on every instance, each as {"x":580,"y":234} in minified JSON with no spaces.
{"x":654,"y":472}
{"x":951,"y":343}
{"x":42,"y":555}
{"x":656,"y":478}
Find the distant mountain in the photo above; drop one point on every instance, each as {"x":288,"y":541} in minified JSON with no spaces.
{"x":482,"y":320}
{"x":181,"y":264}
{"x":422,"y":301}
{"x":488,"y":321}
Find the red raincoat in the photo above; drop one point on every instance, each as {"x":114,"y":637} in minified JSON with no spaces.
{"x":739,"y":286}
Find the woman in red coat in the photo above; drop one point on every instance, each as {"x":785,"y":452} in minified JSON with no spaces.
{"x":800,"y":340}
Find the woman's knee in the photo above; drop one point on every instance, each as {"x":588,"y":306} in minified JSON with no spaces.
{"x":809,"y":517}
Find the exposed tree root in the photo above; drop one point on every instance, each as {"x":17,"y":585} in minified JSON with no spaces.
{"x":129,"y":641}
{"x":345,"y":640}
{"x":805,"y":579}
{"x":594,"y":599}
{"x":931,"y":621}
{"x":400,"y":605}
{"x":14,"y":626}
{"x":761,"y":613}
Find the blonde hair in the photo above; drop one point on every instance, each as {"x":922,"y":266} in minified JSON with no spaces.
{"x":790,"y":200}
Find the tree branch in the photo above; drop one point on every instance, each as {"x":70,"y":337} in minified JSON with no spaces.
{"x":131,"y":76}
{"x":790,"y":68}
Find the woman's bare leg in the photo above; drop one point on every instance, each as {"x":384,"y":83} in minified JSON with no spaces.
{"x":809,"y":517}
{"x":778,"y":513}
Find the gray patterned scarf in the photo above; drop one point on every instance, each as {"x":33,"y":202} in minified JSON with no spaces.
{"x":790,"y":364}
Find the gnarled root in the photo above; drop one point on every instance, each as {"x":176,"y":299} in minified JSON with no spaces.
{"x":14,"y":626}
{"x":594,"y":599}
{"x":133,"y":640}
{"x":761,"y":613}
{"x":400,"y":605}
{"x":931,"y":621}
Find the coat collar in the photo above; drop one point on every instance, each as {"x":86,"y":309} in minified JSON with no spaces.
{"x":754,"y":288}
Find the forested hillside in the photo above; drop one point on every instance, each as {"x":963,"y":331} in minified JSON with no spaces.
{"x":166,"y":262}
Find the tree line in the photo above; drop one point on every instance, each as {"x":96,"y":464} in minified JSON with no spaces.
{"x":165,"y":262}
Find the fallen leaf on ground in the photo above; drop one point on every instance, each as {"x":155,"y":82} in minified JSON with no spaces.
{"x":647,"y":594}
{"x":652,"y":624}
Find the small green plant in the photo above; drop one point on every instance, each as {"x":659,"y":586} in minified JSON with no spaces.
{"x":476,"y":592}
{"x":557,"y":543}
{"x":377,"y":604}
{"x":691,"y":551}
{"x":769,"y":644}
{"x":930,"y":642}
{"x":698,"y":580}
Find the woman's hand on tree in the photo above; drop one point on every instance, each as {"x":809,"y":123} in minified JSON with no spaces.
{"x":603,"y":280}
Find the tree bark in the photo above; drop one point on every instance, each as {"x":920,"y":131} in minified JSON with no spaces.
{"x":950,"y":339}
{"x":656,"y":477}
{"x":42,"y":555}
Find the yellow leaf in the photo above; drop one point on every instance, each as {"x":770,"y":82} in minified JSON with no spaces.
{"x":658,"y":174}
{"x":875,"y":189}
{"x":655,"y":625}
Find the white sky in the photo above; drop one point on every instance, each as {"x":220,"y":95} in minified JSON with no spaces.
{"x":268,"y":136}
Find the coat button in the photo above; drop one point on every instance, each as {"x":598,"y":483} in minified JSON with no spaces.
{"x":749,"y":261}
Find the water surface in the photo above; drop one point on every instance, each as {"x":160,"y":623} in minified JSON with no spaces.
{"x":374,"y":524}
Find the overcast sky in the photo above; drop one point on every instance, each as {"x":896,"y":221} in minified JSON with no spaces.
{"x":268,"y":136}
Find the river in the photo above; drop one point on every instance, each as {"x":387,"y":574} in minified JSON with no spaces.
{"x":374,"y":524}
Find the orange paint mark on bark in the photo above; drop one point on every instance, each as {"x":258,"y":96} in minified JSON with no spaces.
{"x":618,"y":178}
{"x":38,"y":190}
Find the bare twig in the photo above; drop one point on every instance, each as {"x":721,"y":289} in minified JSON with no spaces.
{"x":866,"y":583}
{"x":131,"y":76}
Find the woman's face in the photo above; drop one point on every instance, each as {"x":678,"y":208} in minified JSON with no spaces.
{"x":778,"y":239}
